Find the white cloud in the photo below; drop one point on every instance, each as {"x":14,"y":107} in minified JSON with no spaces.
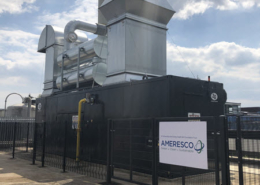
{"x":223,"y":58}
{"x":236,"y":66}
{"x":6,"y":63}
{"x":18,"y":48}
{"x":21,"y":67}
{"x":86,"y":10}
{"x":188,"y":8}
{"x":17,"y":38}
{"x":17,"y":6}
{"x":15,"y":81}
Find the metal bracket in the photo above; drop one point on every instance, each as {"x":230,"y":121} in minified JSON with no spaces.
{"x":62,"y":70}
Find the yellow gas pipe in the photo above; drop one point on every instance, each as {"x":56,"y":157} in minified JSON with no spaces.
{"x":79,"y":129}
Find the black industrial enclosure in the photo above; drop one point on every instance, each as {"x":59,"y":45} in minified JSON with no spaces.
{"x":167,"y":96}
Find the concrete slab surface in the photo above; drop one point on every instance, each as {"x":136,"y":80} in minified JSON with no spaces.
{"x":21,"y":172}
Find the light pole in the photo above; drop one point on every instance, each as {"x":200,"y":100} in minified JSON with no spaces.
{"x":7,"y":98}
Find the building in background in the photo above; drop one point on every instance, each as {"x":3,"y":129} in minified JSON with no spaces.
{"x":20,"y":111}
{"x":232,"y":108}
{"x":2,"y":113}
{"x":251,"y":110}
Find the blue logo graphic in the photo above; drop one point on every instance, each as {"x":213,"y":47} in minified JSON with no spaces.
{"x":181,"y":144}
{"x":199,"y":146}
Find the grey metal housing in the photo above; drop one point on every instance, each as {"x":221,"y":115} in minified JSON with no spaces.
{"x":136,"y":38}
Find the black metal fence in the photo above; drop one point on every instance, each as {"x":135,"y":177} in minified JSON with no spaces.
{"x":55,"y":145}
{"x":16,"y":137}
{"x":244,"y":150}
{"x":133,"y":154}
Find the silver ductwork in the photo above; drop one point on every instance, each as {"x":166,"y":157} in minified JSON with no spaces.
{"x":131,"y":44}
{"x":51,"y":43}
{"x":93,"y":48}
{"x":70,"y":36}
{"x":96,"y":72}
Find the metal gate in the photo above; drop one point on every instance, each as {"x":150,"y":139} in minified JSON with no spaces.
{"x":133,"y":154}
{"x":244,"y":149}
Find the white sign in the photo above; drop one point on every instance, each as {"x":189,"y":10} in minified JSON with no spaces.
{"x":193,"y":115}
{"x":184,"y":144}
{"x":75,"y":122}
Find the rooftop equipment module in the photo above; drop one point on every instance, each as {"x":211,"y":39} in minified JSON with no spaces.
{"x":130,"y":46}
{"x":122,"y":73}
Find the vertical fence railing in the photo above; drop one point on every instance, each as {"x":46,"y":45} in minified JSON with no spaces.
{"x":14,"y":139}
{"x":64,"y":148}
{"x":55,"y":144}
{"x":224,"y":147}
{"x":34,"y":143}
{"x":216,"y":139}
{"x":43,"y":143}
{"x":16,"y":136}
{"x":19,"y":136}
{"x":184,"y":175}
{"x":6,"y":135}
{"x":244,"y":152}
{"x":27,"y":137}
{"x":155,"y":163}
{"x":239,"y":150}
{"x":109,"y":165}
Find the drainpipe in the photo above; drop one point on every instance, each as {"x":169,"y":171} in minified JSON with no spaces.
{"x":70,"y":36}
{"x":79,"y":129}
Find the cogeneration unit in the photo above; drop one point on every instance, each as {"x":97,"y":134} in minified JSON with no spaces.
{"x":119,"y":74}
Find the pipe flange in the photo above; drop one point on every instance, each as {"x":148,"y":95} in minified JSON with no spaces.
{"x":101,"y":30}
{"x":72,"y":37}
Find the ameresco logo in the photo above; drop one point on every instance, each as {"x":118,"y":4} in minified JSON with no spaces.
{"x":198,"y":147}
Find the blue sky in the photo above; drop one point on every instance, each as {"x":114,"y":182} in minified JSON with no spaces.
{"x":220,"y":38}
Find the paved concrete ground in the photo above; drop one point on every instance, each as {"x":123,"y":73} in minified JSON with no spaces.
{"x":20,"y":172}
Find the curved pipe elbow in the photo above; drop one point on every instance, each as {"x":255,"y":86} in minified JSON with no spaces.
{"x":69,"y":33}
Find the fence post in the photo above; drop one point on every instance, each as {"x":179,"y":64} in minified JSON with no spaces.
{"x":224,"y":151}
{"x":109,"y":152}
{"x":216,"y":137}
{"x":14,"y":138}
{"x":43,"y":143}
{"x":65,"y":148}
{"x":27,"y":141}
{"x":131,"y":158}
{"x":154,"y":142}
{"x":239,"y":150}
{"x":34,"y":143}
{"x":183,"y":175}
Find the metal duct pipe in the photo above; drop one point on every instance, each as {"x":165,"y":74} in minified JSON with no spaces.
{"x":96,"y":72}
{"x":93,"y":48}
{"x":69,"y":33}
